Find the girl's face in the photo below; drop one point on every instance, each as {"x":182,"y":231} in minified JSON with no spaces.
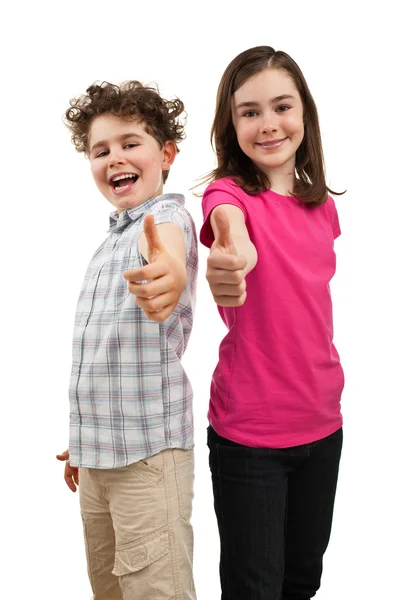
{"x":267,"y":114}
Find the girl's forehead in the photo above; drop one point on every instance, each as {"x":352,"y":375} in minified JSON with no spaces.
{"x":266,"y":85}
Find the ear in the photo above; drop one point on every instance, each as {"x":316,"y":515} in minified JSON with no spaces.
{"x":169,"y":154}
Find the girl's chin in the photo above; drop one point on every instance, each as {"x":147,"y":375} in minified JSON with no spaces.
{"x":277,"y":162}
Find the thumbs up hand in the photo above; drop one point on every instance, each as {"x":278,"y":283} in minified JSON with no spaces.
{"x":225,"y":268}
{"x":166,"y":274}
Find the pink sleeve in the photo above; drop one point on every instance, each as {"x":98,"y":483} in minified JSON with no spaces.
{"x":218,"y":192}
{"x":334,"y":218}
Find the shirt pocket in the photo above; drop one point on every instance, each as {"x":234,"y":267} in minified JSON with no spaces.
{"x":112,"y":288}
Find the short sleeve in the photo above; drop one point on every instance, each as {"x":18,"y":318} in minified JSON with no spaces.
{"x":333,"y":217}
{"x":172,"y":212}
{"x":218,"y":192}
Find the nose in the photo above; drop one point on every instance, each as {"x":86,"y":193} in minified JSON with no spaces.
{"x":269,"y":122}
{"x":115,"y":158}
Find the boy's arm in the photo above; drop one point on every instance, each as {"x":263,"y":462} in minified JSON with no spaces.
{"x":163,"y":247}
{"x":232,"y":256}
{"x":172,"y":239}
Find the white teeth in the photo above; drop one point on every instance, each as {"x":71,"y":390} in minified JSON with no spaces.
{"x":126,"y":176}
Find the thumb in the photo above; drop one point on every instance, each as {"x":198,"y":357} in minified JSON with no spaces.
{"x":155,"y":245}
{"x":63,"y":456}
{"x":223,"y":237}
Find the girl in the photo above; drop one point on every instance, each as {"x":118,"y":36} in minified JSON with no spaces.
{"x":275,"y":431}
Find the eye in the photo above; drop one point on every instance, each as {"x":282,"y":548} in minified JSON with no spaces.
{"x":283,"y":108}
{"x":130,"y":145}
{"x":250,"y":113}
{"x":102,"y":153}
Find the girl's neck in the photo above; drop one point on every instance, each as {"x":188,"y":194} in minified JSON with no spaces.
{"x":282,"y":179}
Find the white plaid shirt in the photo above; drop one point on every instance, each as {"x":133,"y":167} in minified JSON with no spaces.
{"x":129,"y":395}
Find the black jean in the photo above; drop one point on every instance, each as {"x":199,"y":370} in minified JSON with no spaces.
{"x":274,"y":510}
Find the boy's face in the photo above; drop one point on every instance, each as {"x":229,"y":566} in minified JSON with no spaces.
{"x":126,"y":162}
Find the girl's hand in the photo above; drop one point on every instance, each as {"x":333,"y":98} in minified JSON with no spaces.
{"x":167,"y":274}
{"x":71,"y":474}
{"x":225,"y":269}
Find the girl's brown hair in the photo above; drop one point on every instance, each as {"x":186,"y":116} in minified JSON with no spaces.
{"x":130,"y":100}
{"x":309,"y":183}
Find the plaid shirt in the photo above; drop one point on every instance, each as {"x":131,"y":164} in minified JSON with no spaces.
{"x":129,"y":395}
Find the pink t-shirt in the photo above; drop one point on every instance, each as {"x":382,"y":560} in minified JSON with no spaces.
{"x":278,"y":382}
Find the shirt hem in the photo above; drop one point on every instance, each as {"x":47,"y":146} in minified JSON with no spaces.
{"x":130,"y":461}
{"x":282,"y":441}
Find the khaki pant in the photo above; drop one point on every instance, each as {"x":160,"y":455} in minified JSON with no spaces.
{"x":139,"y":540}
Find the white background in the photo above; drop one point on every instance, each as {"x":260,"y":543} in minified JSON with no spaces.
{"x":53,"y":218}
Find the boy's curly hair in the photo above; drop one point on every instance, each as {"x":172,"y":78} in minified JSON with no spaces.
{"x":130,"y":100}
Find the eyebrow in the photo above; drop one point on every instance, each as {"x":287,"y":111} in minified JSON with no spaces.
{"x":120,"y":138}
{"x":276,"y":99}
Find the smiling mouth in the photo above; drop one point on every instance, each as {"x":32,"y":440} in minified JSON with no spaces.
{"x":271,"y":144}
{"x":123,"y":182}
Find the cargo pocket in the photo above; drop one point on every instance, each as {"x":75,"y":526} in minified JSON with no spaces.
{"x":184,"y":473}
{"x":132,"y":557}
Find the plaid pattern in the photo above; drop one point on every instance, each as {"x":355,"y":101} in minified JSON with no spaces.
{"x":129,"y":395}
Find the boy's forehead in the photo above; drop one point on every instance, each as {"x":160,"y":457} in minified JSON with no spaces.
{"x":106,"y":127}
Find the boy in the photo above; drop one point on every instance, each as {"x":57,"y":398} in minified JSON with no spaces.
{"x":131,"y":431}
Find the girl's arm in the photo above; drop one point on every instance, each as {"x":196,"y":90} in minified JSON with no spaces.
{"x":232,"y":256}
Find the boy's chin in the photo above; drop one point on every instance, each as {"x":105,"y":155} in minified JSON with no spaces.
{"x":123,"y":204}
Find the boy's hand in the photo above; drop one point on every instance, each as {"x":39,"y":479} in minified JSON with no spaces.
{"x":167,"y":274}
{"x":71,"y":474}
{"x":225,"y":269}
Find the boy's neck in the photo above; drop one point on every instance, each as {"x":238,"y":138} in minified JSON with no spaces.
{"x":158,"y":193}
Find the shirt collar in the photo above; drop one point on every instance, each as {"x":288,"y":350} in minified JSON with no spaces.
{"x":119,"y":222}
